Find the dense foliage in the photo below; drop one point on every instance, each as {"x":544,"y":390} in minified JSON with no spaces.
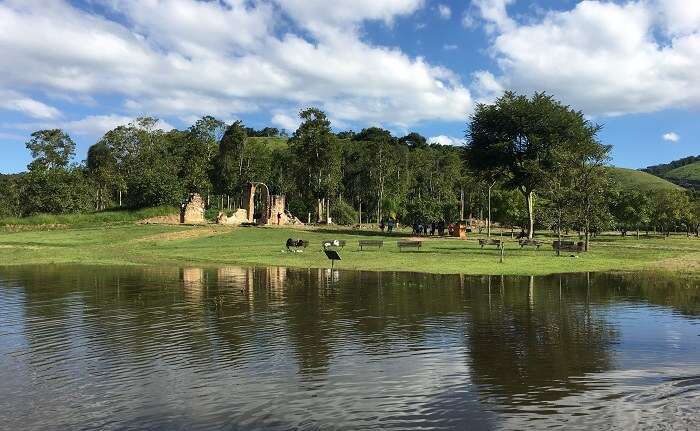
{"x":538,"y":163}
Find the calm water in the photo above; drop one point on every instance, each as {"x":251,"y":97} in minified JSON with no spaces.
{"x":275,"y":348}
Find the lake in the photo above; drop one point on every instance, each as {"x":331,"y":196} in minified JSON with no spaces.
{"x":173,"y":348}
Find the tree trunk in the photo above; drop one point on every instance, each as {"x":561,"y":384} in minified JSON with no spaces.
{"x":530,"y":201}
{"x":488,"y":221}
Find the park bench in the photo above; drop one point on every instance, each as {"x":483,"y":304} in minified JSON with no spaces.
{"x":296,"y":244}
{"x":571,"y":246}
{"x":524,"y":242}
{"x":496,"y":242}
{"x":371,"y":243}
{"x":408,"y":244}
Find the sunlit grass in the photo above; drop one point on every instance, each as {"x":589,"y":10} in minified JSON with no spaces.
{"x":218,"y":245}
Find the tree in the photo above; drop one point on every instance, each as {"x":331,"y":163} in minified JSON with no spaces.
{"x":525,"y":139}
{"x":50,"y":149}
{"x":228,"y":166}
{"x":379,"y":145}
{"x":102,"y":169}
{"x":631,"y":210}
{"x":414,"y":140}
{"x":317,"y":158}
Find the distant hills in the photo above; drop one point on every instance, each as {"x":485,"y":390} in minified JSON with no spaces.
{"x":684,"y":172}
{"x":640,"y":180}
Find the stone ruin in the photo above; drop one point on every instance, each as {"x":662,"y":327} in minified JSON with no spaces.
{"x":274,"y":205}
{"x":192,"y":210}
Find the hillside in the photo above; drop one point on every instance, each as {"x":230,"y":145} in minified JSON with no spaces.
{"x":688,"y":175}
{"x":639,"y":180}
{"x":272,"y":143}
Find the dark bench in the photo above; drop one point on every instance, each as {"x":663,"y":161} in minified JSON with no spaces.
{"x":330,"y":243}
{"x":371,"y":243}
{"x":571,"y":246}
{"x":530,"y":242}
{"x":296,"y":244}
{"x":496,"y":242}
{"x":409,"y":244}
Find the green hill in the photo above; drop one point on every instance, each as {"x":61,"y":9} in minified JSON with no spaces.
{"x":639,"y":180}
{"x":688,"y":173}
{"x":272,"y":143}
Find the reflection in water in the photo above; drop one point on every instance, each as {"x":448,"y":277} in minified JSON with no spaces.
{"x":278,"y":348}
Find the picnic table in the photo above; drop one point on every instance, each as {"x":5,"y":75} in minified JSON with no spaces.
{"x":371,"y":243}
{"x":409,"y":244}
{"x":575,"y":247}
{"x":484,"y":242}
{"x":524,"y":242}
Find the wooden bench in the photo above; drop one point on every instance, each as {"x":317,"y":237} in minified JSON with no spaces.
{"x":409,"y":244}
{"x":296,"y":244}
{"x":331,"y":243}
{"x":496,"y":242}
{"x":530,"y":242}
{"x":571,"y":246}
{"x":371,"y":243}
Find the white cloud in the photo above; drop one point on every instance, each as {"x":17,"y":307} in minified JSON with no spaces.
{"x":486,"y":86}
{"x":444,"y":11}
{"x":93,"y":125}
{"x":602,"y":57}
{"x":14,"y":101}
{"x":286,"y":121}
{"x":446,"y":140}
{"x":468,"y":20}
{"x":671,"y":137}
{"x":161,"y":60}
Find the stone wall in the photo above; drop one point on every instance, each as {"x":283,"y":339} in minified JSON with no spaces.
{"x":238,"y":217}
{"x":192,"y":211}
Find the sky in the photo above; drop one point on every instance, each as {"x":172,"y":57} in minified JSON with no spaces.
{"x":87,"y":66}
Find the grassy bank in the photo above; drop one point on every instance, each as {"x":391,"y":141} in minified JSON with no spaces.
{"x":86,"y":219}
{"x":218,"y":245}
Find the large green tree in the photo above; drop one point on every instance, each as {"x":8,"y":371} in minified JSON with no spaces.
{"x":50,"y":149}
{"x":317,"y":155}
{"x":526,"y":140}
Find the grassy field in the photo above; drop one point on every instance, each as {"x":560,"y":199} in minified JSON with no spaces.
{"x":85,"y":219}
{"x":642,"y":181}
{"x":217,"y":245}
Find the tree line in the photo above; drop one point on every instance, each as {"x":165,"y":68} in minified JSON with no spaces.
{"x":529,"y":163}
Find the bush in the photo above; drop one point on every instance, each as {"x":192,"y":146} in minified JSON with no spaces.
{"x":343,"y":213}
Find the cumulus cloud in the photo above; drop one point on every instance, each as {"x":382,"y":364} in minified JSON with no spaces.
{"x":13,"y":101}
{"x":93,"y":126}
{"x":607,"y":58}
{"x":446,"y":140}
{"x":671,"y":137}
{"x":444,"y":11}
{"x":161,"y":60}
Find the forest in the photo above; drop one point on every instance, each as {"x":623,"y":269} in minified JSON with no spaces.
{"x":528,"y":163}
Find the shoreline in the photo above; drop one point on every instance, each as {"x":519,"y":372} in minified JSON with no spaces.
{"x":212,"y":245}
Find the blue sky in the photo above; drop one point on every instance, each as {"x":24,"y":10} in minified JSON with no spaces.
{"x":406,"y":65}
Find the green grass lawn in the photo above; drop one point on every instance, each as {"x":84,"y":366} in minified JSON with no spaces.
{"x":218,"y":245}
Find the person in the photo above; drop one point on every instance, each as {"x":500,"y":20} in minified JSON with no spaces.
{"x":390,"y":225}
{"x":441,"y":227}
{"x":522,"y":234}
{"x":433,"y":227}
{"x":279,"y":217}
{"x":381,"y":225}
